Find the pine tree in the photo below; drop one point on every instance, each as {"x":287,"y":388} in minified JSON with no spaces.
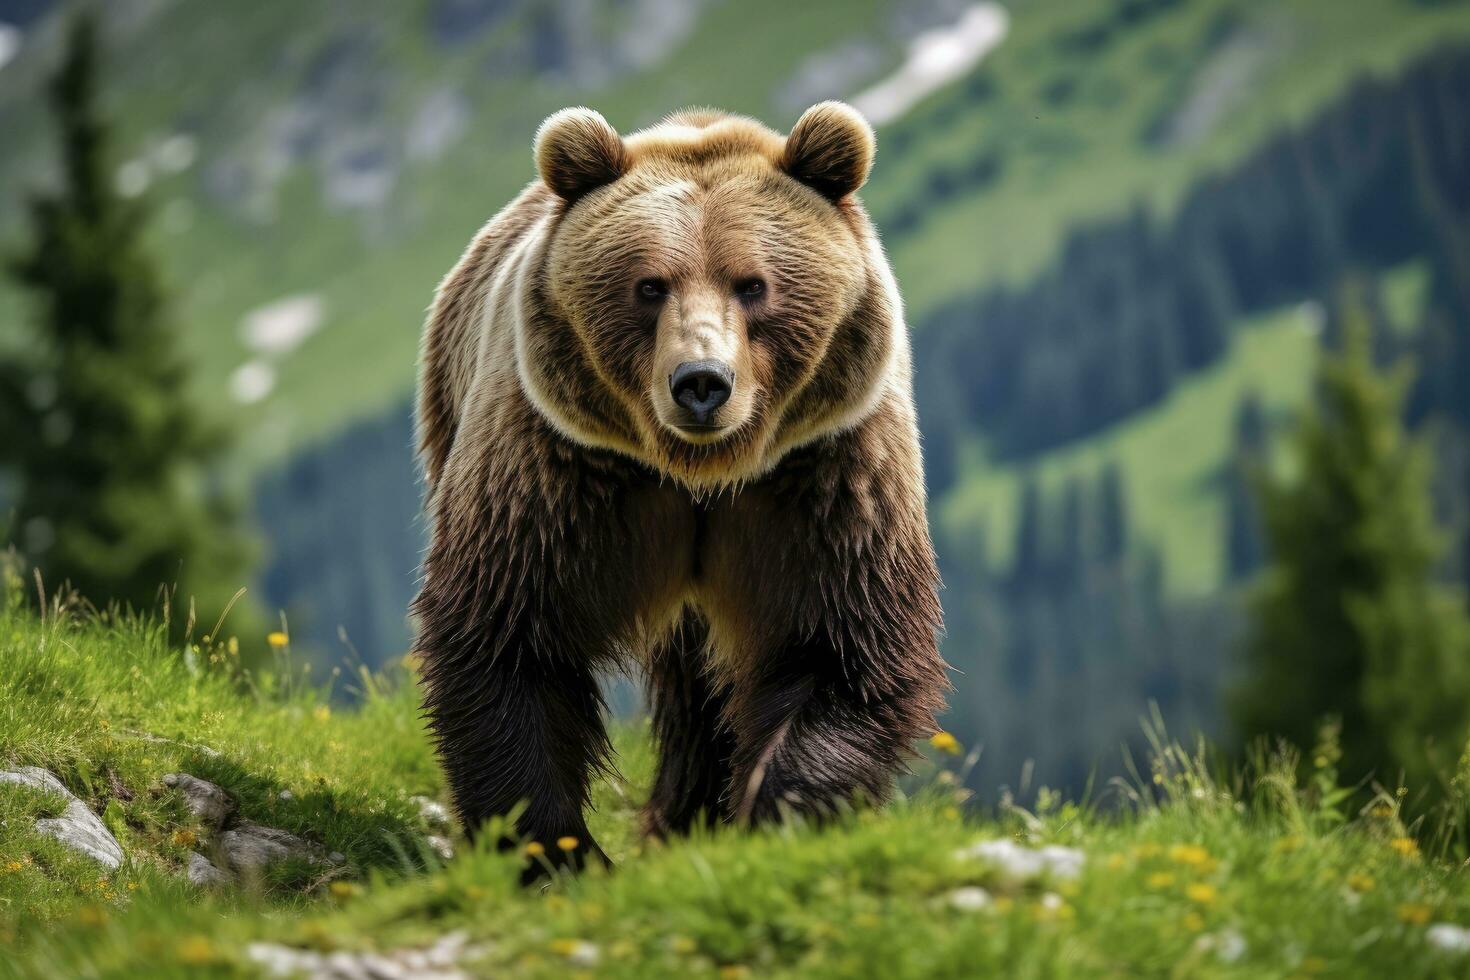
{"x":114,"y":463}
{"x":1244,"y":549}
{"x":1349,"y":621}
{"x":1112,"y":512}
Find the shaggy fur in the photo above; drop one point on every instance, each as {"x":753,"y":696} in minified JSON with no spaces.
{"x":772,"y":571}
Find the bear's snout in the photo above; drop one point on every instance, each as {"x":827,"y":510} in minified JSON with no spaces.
{"x":700,"y":387}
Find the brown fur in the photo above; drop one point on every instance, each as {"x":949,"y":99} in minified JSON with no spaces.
{"x":773,"y":573}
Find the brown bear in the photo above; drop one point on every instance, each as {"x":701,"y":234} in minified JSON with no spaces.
{"x":666,"y":414}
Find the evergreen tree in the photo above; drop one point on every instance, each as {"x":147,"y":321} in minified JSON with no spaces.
{"x":1112,"y":513}
{"x":1029,"y":558}
{"x":1349,"y":621}
{"x":1244,"y":549}
{"x":115,"y":495}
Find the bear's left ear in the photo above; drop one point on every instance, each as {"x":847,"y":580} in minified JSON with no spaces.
{"x":577,"y":151}
{"x":830,"y":149}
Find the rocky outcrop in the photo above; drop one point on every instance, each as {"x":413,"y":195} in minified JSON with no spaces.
{"x":210,"y":804}
{"x":241,"y":846}
{"x":77,"y":827}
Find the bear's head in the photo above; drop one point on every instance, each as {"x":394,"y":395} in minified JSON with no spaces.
{"x":709,"y":294}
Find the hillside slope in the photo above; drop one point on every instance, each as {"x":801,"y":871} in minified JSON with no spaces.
{"x":1189,"y":877}
{"x":315,"y":171}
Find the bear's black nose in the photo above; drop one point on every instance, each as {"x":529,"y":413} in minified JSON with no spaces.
{"x":701,"y":387}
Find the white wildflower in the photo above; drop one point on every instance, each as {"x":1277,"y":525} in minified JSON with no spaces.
{"x":1230,"y":946}
{"x":1016,"y":861}
{"x":1448,"y":937}
{"x":969,"y":899}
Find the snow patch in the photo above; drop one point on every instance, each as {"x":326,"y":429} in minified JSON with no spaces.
{"x":280,"y":327}
{"x":10,"y":38}
{"x":133,"y":178}
{"x":252,"y":381}
{"x":438,"y":124}
{"x":935,"y":58}
{"x":174,"y":154}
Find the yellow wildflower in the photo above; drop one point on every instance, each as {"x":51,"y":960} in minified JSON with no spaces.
{"x":91,"y":915}
{"x":1189,"y":854}
{"x":195,"y":950}
{"x":322,"y":712}
{"x":945,"y":742}
{"x":1116,"y":862}
{"x":1193,"y":922}
{"x":13,"y":866}
{"x":185,"y":838}
{"x":564,"y":947}
{"x":1361,"y":882}
{"x":277,"y":639}
{"x":342,"y":889}
{"x":1159,"y":879}
{"x":567,"y":843}
{"x":1201,"y":892}
{"x":1406,"y":846}
{"x":683,"y":945}
{"x":535,"y":849}
{"x":622,"y":949}
{"x":233,"y":646}
{"x":1147,"y":850}
{"x":132,"y":886}
{"x":1415,"y":913}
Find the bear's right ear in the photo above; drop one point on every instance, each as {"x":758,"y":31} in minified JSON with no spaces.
{"x":577,"y":151}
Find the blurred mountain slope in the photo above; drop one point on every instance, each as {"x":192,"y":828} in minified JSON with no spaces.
{"x":339,"y":158}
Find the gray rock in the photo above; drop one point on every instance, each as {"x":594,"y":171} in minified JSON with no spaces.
{"x":250,"y":846}
{"x":77,"y":827}
{"x":203,"y":872}
{"x":204,"y":799}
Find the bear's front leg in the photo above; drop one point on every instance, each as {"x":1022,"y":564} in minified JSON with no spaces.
{"x":520,"y":728}
{"x":828,"y":622}
{"x":816,"y":735}
{"x":533,"y":579}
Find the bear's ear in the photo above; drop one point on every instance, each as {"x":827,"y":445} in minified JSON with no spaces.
{"x":830,"y":149}
{"x":577,"y":151}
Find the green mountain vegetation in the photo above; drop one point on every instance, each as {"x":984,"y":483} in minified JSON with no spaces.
{"x":94,"y":413}
{"x":1348,"y":620}
{"x":351,"y":157}
{"x":1119,"y":237}
{"x":1184,"y":870}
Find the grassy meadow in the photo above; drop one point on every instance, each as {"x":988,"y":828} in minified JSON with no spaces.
{"x":1177,"y":872}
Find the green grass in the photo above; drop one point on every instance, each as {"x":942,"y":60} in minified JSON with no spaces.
{"x":1190,"y":875}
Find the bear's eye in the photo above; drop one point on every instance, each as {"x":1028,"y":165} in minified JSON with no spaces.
{"x":751,"y":288}
{"x":652,"y":290}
